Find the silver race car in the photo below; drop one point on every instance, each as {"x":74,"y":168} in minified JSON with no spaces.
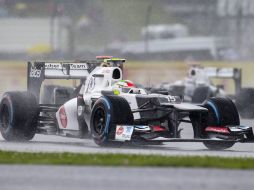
{"x":197,"y":86}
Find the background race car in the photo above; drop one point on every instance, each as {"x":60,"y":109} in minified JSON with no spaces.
{"x":198,"y":86}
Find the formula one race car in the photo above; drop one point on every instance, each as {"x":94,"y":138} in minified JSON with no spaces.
{"x":112,"y":110}
{"x":198,"y":87}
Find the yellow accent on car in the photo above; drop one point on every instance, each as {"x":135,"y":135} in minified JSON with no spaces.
{"x":116,"y":92}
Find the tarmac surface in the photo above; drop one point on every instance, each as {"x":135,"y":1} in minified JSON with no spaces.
{"x":30,"y":177}
{"x":49,"y":143}
{"x":16,"y":177}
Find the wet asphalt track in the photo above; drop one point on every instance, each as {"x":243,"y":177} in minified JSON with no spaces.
{"x":46,"y":143}
{"x":17,"y":177}
{"x":30,"y":177}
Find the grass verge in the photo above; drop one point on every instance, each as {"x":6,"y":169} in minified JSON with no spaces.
{"x":7,"y":157}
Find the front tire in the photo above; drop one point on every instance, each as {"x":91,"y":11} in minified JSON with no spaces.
{"x":218,"y":145}
{"x":221,"y":112}
{"x":18,"y":116}
{"x":106,"y":113}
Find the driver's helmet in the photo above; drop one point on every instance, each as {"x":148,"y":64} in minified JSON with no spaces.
{"x":198,"y":75}
{"x":124,"y":85}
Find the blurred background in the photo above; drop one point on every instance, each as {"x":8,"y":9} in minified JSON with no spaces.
{"x":157,"y":37}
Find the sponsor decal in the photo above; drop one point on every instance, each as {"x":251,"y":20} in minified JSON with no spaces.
{"x":76,"y":66}
{"x":120,"y":130}
{"x":129,"y":128}
{"x":80,"y":110}
{"x":124,"y":132}
{"x":63,"y":117}
{"x":91,"y":84}
{"x":73,"y":66}
{"x":35,"y":73}
{"x":53,"y":66}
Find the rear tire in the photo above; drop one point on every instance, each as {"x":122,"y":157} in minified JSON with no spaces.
{"x":18,"y":116}
{"x":221,"y":112}
{"x":106,"y":113}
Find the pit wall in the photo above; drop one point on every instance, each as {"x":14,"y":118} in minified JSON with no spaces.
{"x":13,"y":73}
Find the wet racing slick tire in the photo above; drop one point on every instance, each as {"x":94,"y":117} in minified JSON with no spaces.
{"x":106,"y":113}
{"x":245,"y":103}
{"x":18,"y":116}
{"x":221,"y":112}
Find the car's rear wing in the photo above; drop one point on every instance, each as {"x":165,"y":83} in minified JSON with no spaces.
{"x":37,"y":72}
{"x":60,"y":70}
{"x":230,"y":73}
